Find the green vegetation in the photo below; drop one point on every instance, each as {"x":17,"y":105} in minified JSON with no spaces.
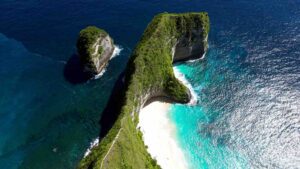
{"x":100,"y":50}
{"x":149,"y":72}
{"x":87,"y":38}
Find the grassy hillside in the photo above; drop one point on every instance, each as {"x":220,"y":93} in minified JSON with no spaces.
{"x":149,"y":73}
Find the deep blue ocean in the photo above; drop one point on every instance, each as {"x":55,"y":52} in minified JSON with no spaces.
{"x":248,"y":85}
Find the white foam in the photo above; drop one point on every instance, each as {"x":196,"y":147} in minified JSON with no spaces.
{"x":92,"y":144}
{"x":100,"y":74}
{"x":181,"y":77}
{"x":195,"y":60}
{"x":116,"y":52}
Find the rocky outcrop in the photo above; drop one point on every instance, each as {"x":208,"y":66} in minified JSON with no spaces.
{"x":149,"y":74}
{"x":95,"y":48}
{"x":190,"y":46}
{"x":192,"y":42}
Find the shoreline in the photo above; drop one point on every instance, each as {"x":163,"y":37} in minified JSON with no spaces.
{"x":116,"y":52}
{"x":181,"y":77}
{"x":159,"y":135}
{"x":159,"y":132}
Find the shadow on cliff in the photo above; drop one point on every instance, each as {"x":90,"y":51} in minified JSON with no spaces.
{"x":73,"y":71}
{"x":113,"y":107}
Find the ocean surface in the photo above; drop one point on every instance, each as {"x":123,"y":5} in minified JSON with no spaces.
{"x":248,"y":85}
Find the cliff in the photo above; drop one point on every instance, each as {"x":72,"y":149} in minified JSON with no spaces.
{"x":95,"y":48}
{"x":149,"y":74}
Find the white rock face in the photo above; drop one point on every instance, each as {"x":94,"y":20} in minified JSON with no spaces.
{"x":103,"y":51}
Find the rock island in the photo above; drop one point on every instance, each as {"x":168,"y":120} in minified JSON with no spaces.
{"x":95,"y":48}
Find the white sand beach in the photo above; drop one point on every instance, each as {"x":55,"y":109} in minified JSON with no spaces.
{"x":159,"y":135}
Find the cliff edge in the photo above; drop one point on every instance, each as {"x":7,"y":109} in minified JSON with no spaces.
{"x":95,"y":48}
{"x":149,"y":74}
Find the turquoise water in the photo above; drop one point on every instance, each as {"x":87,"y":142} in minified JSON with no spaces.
{"x":248,"y":85}
{"x":201,"y":151}
{"x":247,"y":114}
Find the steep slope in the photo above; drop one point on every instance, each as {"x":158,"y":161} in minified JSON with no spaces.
{"x":95,"y":48}
{"x":149,"y":74}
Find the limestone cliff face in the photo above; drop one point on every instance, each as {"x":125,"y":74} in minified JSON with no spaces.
{"x":192,"y":43}
{"x":95,"y":48}
{"x":149,"y":74}
{"x":103,"y":50}
{"x":190,"y":46}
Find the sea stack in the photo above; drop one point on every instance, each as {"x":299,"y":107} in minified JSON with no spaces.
{"x":95,"y":48}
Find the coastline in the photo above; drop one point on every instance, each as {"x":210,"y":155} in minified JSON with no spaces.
{"x":159,"y":135}
{"x":116,"y":52}
{"x":181,"y":77}
{"x":95,"y":142}
{"x":159,"y":132}
{"x":139,"y":82}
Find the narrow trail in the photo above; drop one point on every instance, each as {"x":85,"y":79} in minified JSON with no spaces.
{"x":110,"y":148}
{"x":96,"y":46}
